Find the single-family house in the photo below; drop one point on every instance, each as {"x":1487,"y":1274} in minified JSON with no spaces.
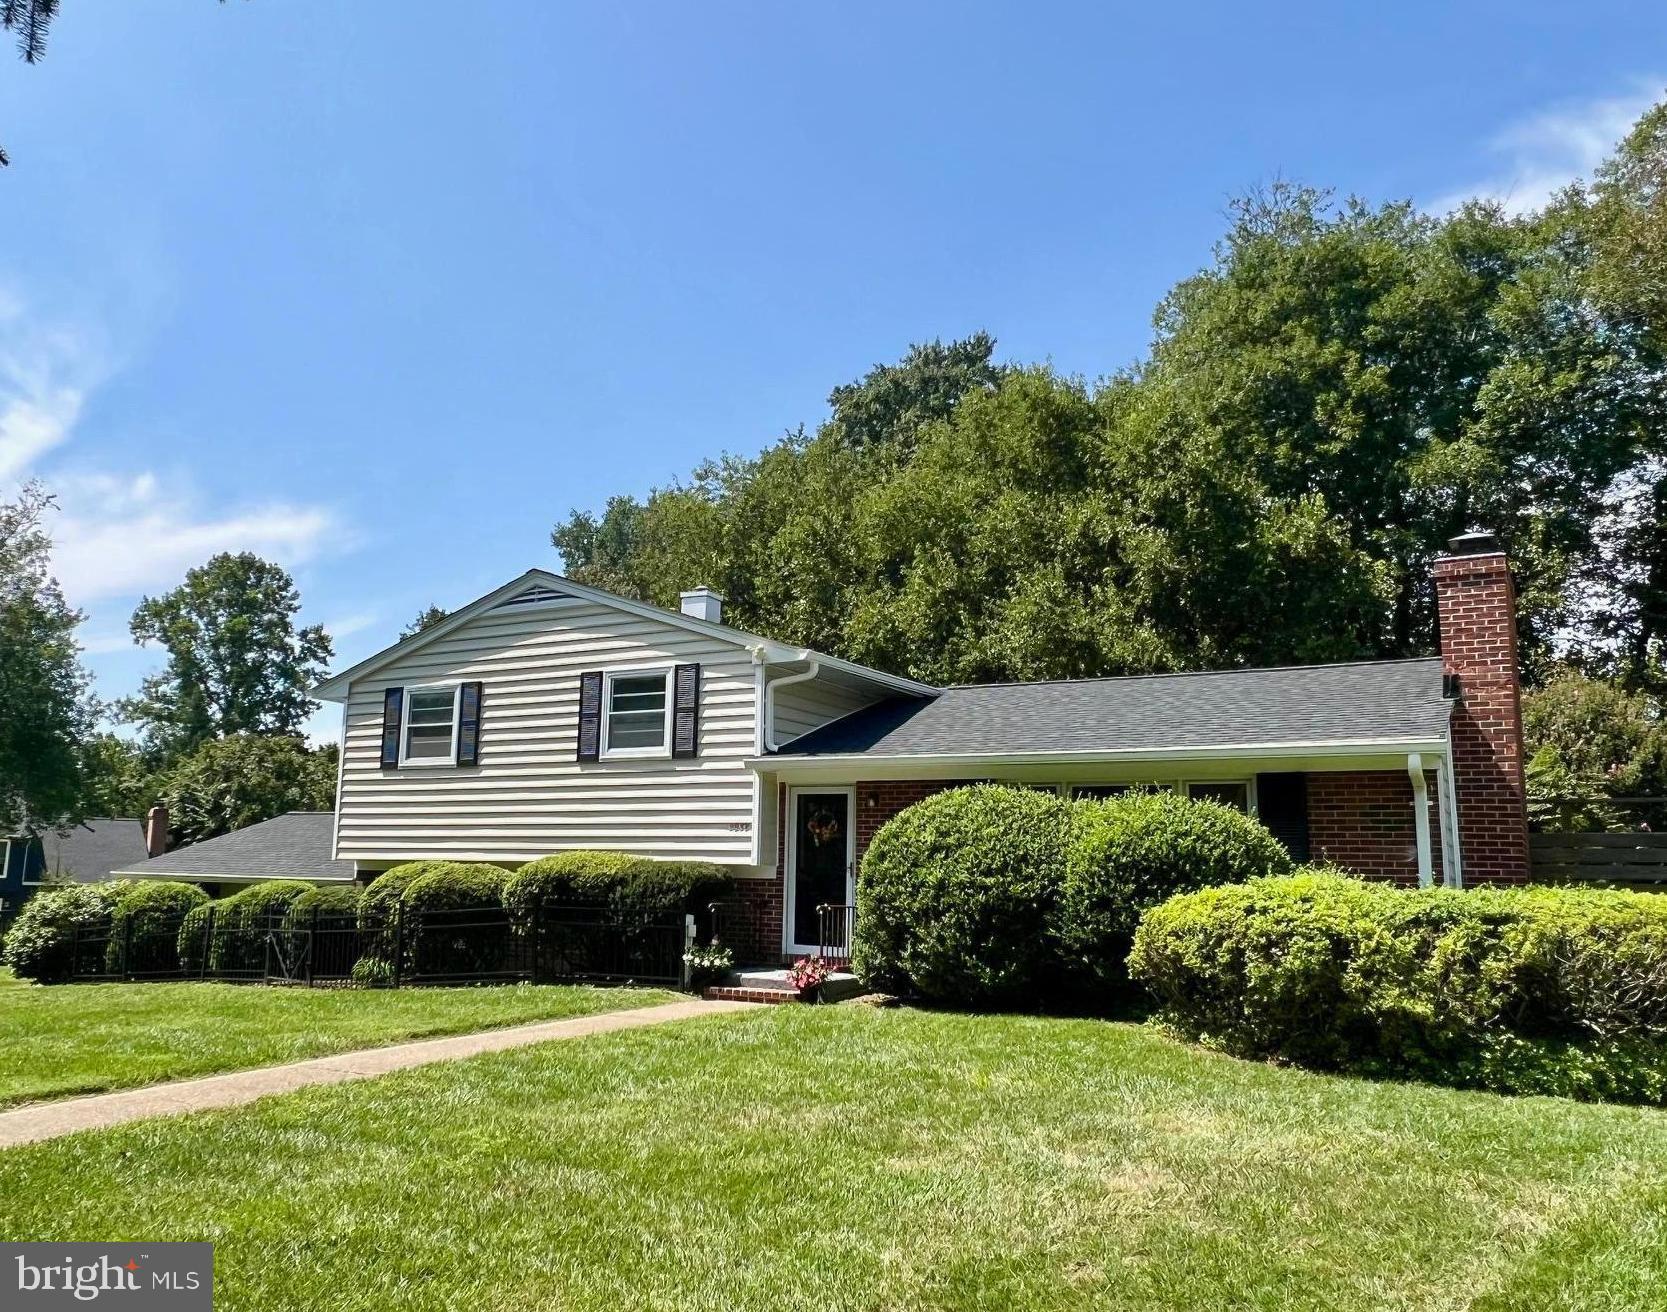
{"x":295,"y":845}
{"x":88,"y":852}
{"x":549,"y":715}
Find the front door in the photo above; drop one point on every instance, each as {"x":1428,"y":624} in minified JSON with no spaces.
{"x":819,"y":864}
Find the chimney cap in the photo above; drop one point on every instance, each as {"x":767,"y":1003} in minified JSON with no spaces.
{"x":702,"y":604}
{"x":1477,"y":542}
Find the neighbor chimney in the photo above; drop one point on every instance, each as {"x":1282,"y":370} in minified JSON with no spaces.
{"x":156,"y":830}
{"x":1476,"y":610}
{"x":703,"y":604}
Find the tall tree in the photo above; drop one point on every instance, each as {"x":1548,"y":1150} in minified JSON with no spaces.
{"x":246,"y":778}
{"x":45,"y":712}
{"x":117,"y":779}
{"x":237,"y":663}
{"x":427,"y":618}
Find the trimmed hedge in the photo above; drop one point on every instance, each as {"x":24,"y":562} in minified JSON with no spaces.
{"x":332,"y":900}
{"x":1537,"y":990}
{"x":38,"y":945}
{"x":189,"y":943}
{"x":144,"y":926}
{"x":474,"y":944}
{"x":1128,"y":853}
{"x":626,"y":883}
{"x":241,"y":923}
{"x":956,"y":894}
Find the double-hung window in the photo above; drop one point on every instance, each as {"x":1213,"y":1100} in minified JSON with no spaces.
{"x":429,"y":736}
{"x":637,"y":714}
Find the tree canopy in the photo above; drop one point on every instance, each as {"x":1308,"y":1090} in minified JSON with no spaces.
{"x":1341,"y":389}
{"x":45,"y":710}
{"x":237,"y":662}
{"x":239,"y":780}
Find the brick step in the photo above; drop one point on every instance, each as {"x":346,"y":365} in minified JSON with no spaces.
{"x":728,"y":993}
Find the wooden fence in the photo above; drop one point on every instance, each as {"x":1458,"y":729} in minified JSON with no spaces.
{"x":1636,"y":859}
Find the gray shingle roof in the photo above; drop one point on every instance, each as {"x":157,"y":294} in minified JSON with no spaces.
{"x":293,"y":846}
{"x":94,"y":848}
{"x":1293,"y":704}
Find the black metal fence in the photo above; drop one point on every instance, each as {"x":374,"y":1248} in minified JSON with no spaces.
{"x":557,"y":942}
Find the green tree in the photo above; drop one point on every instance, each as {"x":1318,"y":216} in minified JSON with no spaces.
{"x":45,"y":711}
{"x":427,"y":618}
{"x":237,"y":663}
{"x":1589,"y":741}
{"x":117,"y":780}
{"x":228,"y":783}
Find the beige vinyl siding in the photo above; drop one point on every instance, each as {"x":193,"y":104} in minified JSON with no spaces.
{"x":801,"y":707}
{"x":528,"y":796}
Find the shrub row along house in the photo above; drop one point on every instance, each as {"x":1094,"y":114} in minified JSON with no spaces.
{"x":551,"y":716}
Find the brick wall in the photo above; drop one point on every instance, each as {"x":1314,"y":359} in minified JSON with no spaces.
{"x":1477,"y":607}
{"x":1363,"y":821}
{"x":878,"y":802}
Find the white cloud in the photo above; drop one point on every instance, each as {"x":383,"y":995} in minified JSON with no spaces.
{"x":347,"y":625}
{"x":1546,"y":151}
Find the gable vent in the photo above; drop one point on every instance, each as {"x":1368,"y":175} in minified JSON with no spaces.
{"x":531,"y":597}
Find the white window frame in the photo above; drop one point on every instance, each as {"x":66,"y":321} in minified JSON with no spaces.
{"x":407,"y":762}
{"x":611,"y":753}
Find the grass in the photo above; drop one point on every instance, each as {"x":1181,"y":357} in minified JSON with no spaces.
{"x":89,"y":1038}
{"x":866,"y":1159}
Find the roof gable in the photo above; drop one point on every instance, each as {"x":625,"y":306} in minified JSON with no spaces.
{"x":540,"y":587}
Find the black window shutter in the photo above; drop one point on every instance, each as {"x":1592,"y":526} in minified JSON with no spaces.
{"x":393,"y":705}
{"x":590,"y":715}
{"x":468,"y":724}
{"x":685,"y":713}
{"x":1282,"y":806}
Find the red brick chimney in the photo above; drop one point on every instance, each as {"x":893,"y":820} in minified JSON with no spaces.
{"x":1476,"y":606}
{"x":156,"y":830}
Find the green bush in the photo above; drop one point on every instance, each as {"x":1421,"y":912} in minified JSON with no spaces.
{"x":1130,"y":852}
{"x":454,"y":922}
{"x":190,"y":944}
{"x":383,"y":895}
{"x":956,"y":895}
{"x":39,"y":943}
{"x":242,"y":922}
{"x":144,"y":926}
{"x":331,"y":901}
{"x":1539,"y":990}
{"x":615,"y":879}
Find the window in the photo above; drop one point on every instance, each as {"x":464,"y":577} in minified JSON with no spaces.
{"x":430,"y":736}
{"x":638,"y":714}
{"x":1235,"y":795}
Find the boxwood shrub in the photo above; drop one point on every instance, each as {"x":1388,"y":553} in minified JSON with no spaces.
{"x":39,"y":944}
{"x":454,"y":920}
{"x":242,"y":922}
{"x":616,"y":879}
{"x":1130,"y":852}
{"x":144,"y":926}
{"x":1536,"y":990}
{"x":957,"y":894}
{"x":190,"y":943}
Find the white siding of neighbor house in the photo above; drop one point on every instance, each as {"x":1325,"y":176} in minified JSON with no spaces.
{"x":529,"y":796}
{"x":801,"y":707}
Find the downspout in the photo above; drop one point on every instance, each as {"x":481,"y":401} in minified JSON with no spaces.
{"x":770,"y":743}
{"x":1421,"y":819}
{"x":1452,"y":858}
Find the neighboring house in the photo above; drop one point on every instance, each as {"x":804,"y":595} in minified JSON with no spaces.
{"x":292,"y":846}
{"x":87,"y":853}
{"x":549,"y":715}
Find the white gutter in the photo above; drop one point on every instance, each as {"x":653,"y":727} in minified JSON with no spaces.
{"x":1359,"y":747}
{"x":770,"y":743}
{"x":1421,"y":818}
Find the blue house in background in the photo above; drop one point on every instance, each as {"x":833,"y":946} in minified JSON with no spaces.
{"x":87,"y":854}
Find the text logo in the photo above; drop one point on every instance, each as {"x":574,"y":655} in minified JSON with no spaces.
{"x":120,"y":1277}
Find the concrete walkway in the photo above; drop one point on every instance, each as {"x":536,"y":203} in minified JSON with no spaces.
{"x":50,"y":1119}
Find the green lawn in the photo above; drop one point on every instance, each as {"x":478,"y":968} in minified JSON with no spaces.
{"x":860,"y":1159}
{"x":85,"y":1038}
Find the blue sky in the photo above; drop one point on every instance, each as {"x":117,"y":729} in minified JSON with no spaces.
{"x":381,"y":290}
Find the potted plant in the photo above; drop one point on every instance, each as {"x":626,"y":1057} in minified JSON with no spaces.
{"x":808,"y":975}
{"x":707,"y":965}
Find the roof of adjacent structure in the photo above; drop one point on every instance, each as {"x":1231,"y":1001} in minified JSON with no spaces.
{"x":91,"y":850}
{"x":1366,"y":701}
{"x":293,"y":846}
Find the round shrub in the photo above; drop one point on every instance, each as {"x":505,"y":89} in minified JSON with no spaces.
{"x":1130,"y":852}
{"x":332,"y":902}
{"x":191,"y":943}
{"x":40,"y":943}
{"x":956,"y":894}
{"x":616,"y":879}
{"x":454,"y":921}
{"x":239,"y":944}
{"x":144,"y":926}
{"x":382,"y":896}
{"x":1538,"y":990}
